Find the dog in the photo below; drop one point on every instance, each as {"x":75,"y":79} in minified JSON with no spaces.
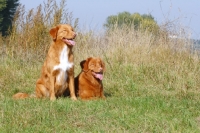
{"x":57,"y":74}
{"x":88,"y":84}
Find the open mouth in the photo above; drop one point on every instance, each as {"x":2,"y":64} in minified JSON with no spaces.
{"x":69,"y":41}
{"x":98,"y":75}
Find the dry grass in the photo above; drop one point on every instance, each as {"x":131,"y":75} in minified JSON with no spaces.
{"x":30,"y":29}
{"x":160,"y":62}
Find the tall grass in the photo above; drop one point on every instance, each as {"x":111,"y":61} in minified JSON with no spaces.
{"x":31,"y":28}
{"x":151,"y":82}
{"x":167,"y":64}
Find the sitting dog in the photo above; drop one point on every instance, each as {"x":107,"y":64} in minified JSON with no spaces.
{"x":88,"y":84}
{"x":57,"y":74}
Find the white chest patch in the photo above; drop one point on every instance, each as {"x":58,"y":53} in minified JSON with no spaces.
{"x":63,"y":66}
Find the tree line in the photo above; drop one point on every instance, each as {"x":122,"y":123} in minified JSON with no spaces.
{"x":144,"y":22}
{"x":7,"y":12}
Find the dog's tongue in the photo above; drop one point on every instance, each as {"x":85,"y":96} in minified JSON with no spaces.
{"x":70,"y":42}
{"x":99,"y":76}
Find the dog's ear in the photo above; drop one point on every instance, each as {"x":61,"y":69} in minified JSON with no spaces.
{"x":53,"y":32}
{"x":84,"y":64}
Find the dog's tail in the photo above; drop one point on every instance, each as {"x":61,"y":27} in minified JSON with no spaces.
{"x":21,"y":95}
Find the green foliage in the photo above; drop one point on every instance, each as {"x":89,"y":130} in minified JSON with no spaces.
{"x":143,"y":22}
{"x":6,"y":15}
{"x":121,"y":19}
{"x":2,"y":6}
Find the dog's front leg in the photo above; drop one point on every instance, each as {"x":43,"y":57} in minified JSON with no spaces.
{"x":102,"y":95}
{"x":52,"y":88}
{"x":71,"y":85}
{"x":71,"y":88}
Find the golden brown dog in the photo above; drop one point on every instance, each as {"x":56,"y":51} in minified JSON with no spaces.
{"x":88,"y":83}
{"x":57,"y":74}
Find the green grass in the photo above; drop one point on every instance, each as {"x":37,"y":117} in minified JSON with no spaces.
{"x":130,"y":106}
{"x":116,"y":114}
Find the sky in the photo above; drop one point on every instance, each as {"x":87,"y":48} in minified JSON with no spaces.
{"x":93,"y":13}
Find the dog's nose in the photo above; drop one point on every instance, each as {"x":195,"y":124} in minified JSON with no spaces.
{"x":75,"y":34}
{"x":101,"y":69}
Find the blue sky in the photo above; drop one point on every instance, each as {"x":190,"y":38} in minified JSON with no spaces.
{"x":93,"y":13}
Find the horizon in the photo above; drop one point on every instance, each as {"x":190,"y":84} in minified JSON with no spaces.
{"x":92,"y":14}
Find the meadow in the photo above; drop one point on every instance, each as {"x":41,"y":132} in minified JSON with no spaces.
{"x":152,"y":83}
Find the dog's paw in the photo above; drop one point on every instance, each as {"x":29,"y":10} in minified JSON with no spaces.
{"x":74,"y":98}
{"x":53,"y":98}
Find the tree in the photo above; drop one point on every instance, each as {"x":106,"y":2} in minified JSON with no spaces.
{"x":140,"y":22}
{"x":2,"y":6}
{"x":7,"y":11}
{"x":119,"y":20}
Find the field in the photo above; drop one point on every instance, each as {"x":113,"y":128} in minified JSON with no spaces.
{"x":152,"y":83}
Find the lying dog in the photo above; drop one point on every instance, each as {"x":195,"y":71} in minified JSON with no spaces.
{"x":88,"y":84}
{"x":57,"y":73}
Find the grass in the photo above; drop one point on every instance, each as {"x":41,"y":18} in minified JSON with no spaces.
{"x":151,"y":83}
{"x":116,"y":114}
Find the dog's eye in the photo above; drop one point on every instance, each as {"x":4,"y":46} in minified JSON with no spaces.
{"x":91,"y":64}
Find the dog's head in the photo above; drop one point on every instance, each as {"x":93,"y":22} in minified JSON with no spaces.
{"x":95,"y":65}
{"x":63,"y":32}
